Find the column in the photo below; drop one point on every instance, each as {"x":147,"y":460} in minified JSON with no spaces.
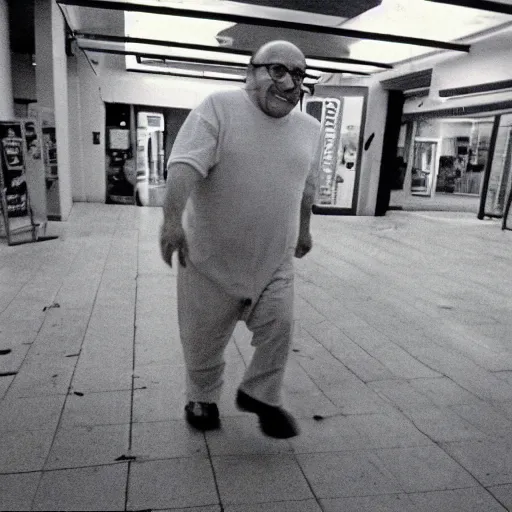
{"x":6,"y":99}
{"x":52,"y":83}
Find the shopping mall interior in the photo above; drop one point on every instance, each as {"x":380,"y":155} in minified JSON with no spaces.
{"x":399,"y":373}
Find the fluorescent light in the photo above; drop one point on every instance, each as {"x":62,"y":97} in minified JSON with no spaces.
{"x":411,"y":18}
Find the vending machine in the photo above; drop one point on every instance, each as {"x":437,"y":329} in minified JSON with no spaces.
{"x":150,"y":158}
{"x":119,"y":152}
{"x":329,"y":112}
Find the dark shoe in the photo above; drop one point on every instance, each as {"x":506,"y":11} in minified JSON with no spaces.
{"x":202,"y":415}
{"x":274,"y":421}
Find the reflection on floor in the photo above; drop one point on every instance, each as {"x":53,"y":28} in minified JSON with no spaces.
{"x":441,"y":201}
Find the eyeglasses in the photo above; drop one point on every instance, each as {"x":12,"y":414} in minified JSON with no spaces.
{"x":278,"y":72}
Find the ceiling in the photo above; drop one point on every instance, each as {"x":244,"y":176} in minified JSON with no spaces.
{"x":214,"y":38}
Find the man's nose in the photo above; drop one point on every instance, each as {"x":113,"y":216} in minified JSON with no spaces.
{"x":288,"y":83}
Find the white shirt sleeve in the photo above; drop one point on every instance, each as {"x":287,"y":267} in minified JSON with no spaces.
{"x":197,"y":141}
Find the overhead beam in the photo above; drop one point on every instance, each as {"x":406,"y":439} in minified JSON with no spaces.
{"x":217,"y":49}
{"x":265,"y":22}
{"x":197,"y":60}
{"x":483,"y":5}
{"x":184,"y":75}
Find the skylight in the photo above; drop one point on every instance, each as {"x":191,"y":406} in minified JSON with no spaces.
{"x":417,"y":18}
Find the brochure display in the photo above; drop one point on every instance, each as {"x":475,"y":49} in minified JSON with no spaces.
{"x":22,"y":187}
{"x":16,"y":212}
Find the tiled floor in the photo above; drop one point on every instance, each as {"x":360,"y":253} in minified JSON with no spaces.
{"x":400,"y":375}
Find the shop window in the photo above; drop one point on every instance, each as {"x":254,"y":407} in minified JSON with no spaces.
{"x":500,"y":178}
{"x":461,"y":158}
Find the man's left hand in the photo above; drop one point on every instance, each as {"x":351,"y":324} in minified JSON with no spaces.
{"x":304,"y":245}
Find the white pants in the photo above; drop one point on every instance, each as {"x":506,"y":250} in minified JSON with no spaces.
{"x":207,"y":317}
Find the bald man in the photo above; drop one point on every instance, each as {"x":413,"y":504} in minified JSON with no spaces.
{"x":241,"y":183}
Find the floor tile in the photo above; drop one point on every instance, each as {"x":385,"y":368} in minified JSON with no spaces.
{"x":424,"y":468}
{"x":62,"y":331}
{"x":259,"y":478}
{"x":169,"y":377}
{"x":400,"y":393}
{"x":332,"y":434}
{"x":165,"y":440}
{"x":242,"y":436}
{"x":18,"y":490}
{"x":157,"y":405}
{"x":309,"y":404}
{"x":47,"y":376}
{"x":490,"y":462}
{"x":212,"y":508}
{"x":391,"y":430}
{"x":382,"y":503}
{"x":91,"y":409}
{"x":476,"y":499}
{"x":89,"y":378}
{"x":485,"y":418}
{"x":443,"y":424}
{"x":276,"y":506}
{"x":96,"y":488}
{"x":88,"y":446}
{"x":32,"y":413}
{"x":357,"y":398}
{"x":172,"y":483}
{"x":503,"y":493}
{"x":12,"y":361}
{"x":5,"y":382}
{"x":25,"y":450}
{"x":335,"y":475}
{"x":444,"y":391}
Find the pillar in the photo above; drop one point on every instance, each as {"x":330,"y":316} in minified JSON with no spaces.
{"x":52,"y":83}
{"x":6,"y":99}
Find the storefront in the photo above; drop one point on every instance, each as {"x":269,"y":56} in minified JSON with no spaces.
{"x":455,"y":161}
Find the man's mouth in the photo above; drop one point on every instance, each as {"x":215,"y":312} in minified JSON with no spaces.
{"x":284,"y":98}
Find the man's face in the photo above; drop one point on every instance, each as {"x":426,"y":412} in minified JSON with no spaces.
{"x":276,"y":90}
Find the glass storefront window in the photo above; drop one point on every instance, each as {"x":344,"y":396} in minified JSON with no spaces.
{"x":462,"y":155}
{"x":500,"y":179}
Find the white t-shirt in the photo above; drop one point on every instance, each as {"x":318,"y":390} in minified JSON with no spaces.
{"x":241,"y":221}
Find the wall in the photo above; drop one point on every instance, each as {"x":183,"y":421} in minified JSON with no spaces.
{"x":370,"y":163}
{"x":119,"y":86}
{"x":488,"y":61}
{"x":23,"y":77}
{"x":75,"y":132}
{"x":91,"y":174}
{"x":62,"y":110}
{"x":6,"y":86}
{"x":114,"y":85}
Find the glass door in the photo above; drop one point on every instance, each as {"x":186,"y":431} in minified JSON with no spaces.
{"x":424,"y":166}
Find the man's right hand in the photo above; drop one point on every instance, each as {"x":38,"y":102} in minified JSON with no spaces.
{"x":172,"y":238}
